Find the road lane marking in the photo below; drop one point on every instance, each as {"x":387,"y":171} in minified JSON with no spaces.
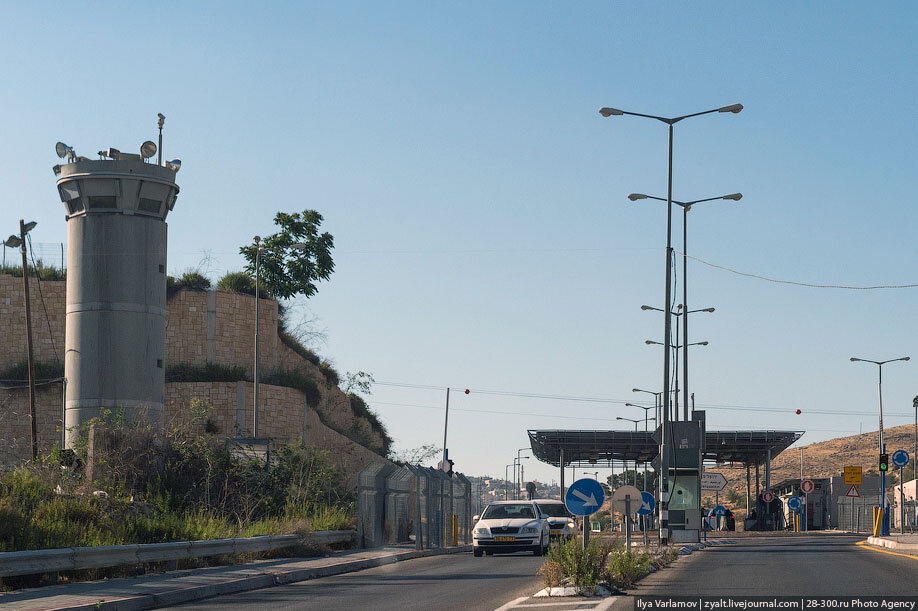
{"x":512,"y":603}
{"x":865,"y":545}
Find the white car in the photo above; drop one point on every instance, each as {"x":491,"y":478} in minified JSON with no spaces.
{"x":561,"y":523}
{"x":511,"y":526}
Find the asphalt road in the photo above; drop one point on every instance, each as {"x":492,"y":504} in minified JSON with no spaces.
{"x":805,"y":565}
{"x":457,"y":581}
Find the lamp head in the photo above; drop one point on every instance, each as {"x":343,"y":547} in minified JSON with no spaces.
{"x":636,"y":196}
{"x":29,"y":226}
{"x":853,"y":359}
{"x":702,"y":343}
{"x":13,"y":241}
{"x":708,"y":310}
{"x":906,"y":358}
{"x":734,"y":108}
{"x":147,"y":149}
{"x":649,"y":342}
{"x":734,"y":196}
{"x":608,"y":112}
{"x":645,"y":307}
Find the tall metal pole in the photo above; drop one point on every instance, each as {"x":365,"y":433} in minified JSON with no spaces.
{"x":883,"y":530}
{"x":685,"y":311}
{"x":445,"y":424}
{"x":30,"y":365}
{"x":159,"y":149}
{"x":255,"y":366}
{"x":667,"y":322}
{"x":676,"y":367}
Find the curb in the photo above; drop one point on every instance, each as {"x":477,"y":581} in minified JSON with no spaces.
{"x":891,"y":544}
{"x":255,"y":582}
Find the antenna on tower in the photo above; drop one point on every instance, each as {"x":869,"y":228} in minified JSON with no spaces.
{"x":162,"y":119}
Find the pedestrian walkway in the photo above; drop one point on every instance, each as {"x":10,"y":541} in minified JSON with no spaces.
{"x":165,"y":589}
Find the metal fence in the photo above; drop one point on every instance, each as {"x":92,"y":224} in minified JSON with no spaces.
{"x":856,"y":514}
{"x":419,"y":504}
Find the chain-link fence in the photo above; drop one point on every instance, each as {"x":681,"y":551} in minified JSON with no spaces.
{"x":419,"y":504}
{"x":855,"y":514}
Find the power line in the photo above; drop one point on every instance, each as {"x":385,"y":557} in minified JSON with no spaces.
{"x":805,"y":284}
{"x":606,"y":401}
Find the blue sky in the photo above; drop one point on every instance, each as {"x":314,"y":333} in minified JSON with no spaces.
{"x":477,"y":199}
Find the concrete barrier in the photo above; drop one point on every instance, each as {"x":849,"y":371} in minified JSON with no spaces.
{"x":71,"y":558}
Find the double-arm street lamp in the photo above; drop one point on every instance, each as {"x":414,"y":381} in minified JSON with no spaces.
{"x":670,"y":122}
{"x":675,"y":347}
{"x":882,"y":448}
{"x":684,"y":314}
{"x":686,"y":206}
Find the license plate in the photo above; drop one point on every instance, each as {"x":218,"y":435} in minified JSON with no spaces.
{"x":555,"y":531}
{"x":505,"y":538}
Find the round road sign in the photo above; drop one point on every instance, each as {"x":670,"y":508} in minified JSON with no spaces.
{"x":900,"y":458}
{"x":584,"y":497}
{"x":647,"y":505}
{"x":807,"y":486}
{"x":768,"y":496}
{"x":720,"y":511}
{"x":795,"y":503}
{"x":635,"y":502}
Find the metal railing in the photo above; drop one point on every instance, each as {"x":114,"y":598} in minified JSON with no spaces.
{"x":73,"y":558}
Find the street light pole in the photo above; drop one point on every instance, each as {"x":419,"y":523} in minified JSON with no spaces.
{"x":667,"y":322}
{"x":20,"y":241}
{"x":686,"y":206}
{"x":879,"y":364}
{"x":507,"y":482}
{"x":519,"y":480}
{"x":258,"y":249}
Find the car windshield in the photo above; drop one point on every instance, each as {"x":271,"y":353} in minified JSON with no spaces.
{"x":554,"y":510}
{"x":509,"y":512}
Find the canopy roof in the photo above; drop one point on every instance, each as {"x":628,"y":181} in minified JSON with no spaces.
{"x":583,"y":448}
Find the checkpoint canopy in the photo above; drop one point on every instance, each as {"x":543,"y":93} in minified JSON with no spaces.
{"x":585,"y":448}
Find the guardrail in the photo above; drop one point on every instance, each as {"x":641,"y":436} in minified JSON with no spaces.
{"x":72,"y":558}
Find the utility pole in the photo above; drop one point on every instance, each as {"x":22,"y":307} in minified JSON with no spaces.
{"x":29,"y":354}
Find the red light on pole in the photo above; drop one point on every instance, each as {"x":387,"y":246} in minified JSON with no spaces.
{"x":798,"y":412}
{"x":467,"y":391}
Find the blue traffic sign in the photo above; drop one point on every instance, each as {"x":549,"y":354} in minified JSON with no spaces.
{"x":647,"y":504}
{"x":584,"y":497}
{"x":795,"y":503}
{"x":720,"y":511}
{"x":900,"y":458}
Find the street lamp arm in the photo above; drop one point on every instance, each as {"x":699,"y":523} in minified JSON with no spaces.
{"x":608,"y":112}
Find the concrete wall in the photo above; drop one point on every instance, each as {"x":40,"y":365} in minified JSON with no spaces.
{"x":13,"y":321}
{"x":201,"y":327}
{"x":15,"y":422}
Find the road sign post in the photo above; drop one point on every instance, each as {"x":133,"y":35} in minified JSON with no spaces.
{"x":900,"y":459}
{"x":584,"y":498}
{"x":646,"y":509}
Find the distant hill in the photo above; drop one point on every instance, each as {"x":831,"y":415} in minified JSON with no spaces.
{"x":825,"y":459}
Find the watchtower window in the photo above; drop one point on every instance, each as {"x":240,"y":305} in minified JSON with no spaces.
{"x":98,"y":202}
{"x":75,"y":206}
{"x":149,"y":205}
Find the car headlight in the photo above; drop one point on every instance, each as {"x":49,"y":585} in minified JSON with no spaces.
{"x":571,"y":525}
{"x":530,"y":530}
{"x":482,"y":531}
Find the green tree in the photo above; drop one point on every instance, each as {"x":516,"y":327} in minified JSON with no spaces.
{"x":286,"y":271}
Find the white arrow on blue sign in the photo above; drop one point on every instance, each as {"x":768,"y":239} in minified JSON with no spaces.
{"x":900,"y":458}
{"x":647,"y":504}
{"x":720,"y":511}
{"x":795,"y":503}
{"x":584,"y":497}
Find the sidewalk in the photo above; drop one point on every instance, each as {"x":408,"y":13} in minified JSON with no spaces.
{"x":164,"y":589}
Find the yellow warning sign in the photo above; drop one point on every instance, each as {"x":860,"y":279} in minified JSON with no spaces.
{"x":854,"y":476}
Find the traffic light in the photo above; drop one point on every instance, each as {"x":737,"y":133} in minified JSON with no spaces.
{"x":884,"y":462}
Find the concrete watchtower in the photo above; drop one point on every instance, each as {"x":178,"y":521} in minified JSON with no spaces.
{"x":116,"y":283}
